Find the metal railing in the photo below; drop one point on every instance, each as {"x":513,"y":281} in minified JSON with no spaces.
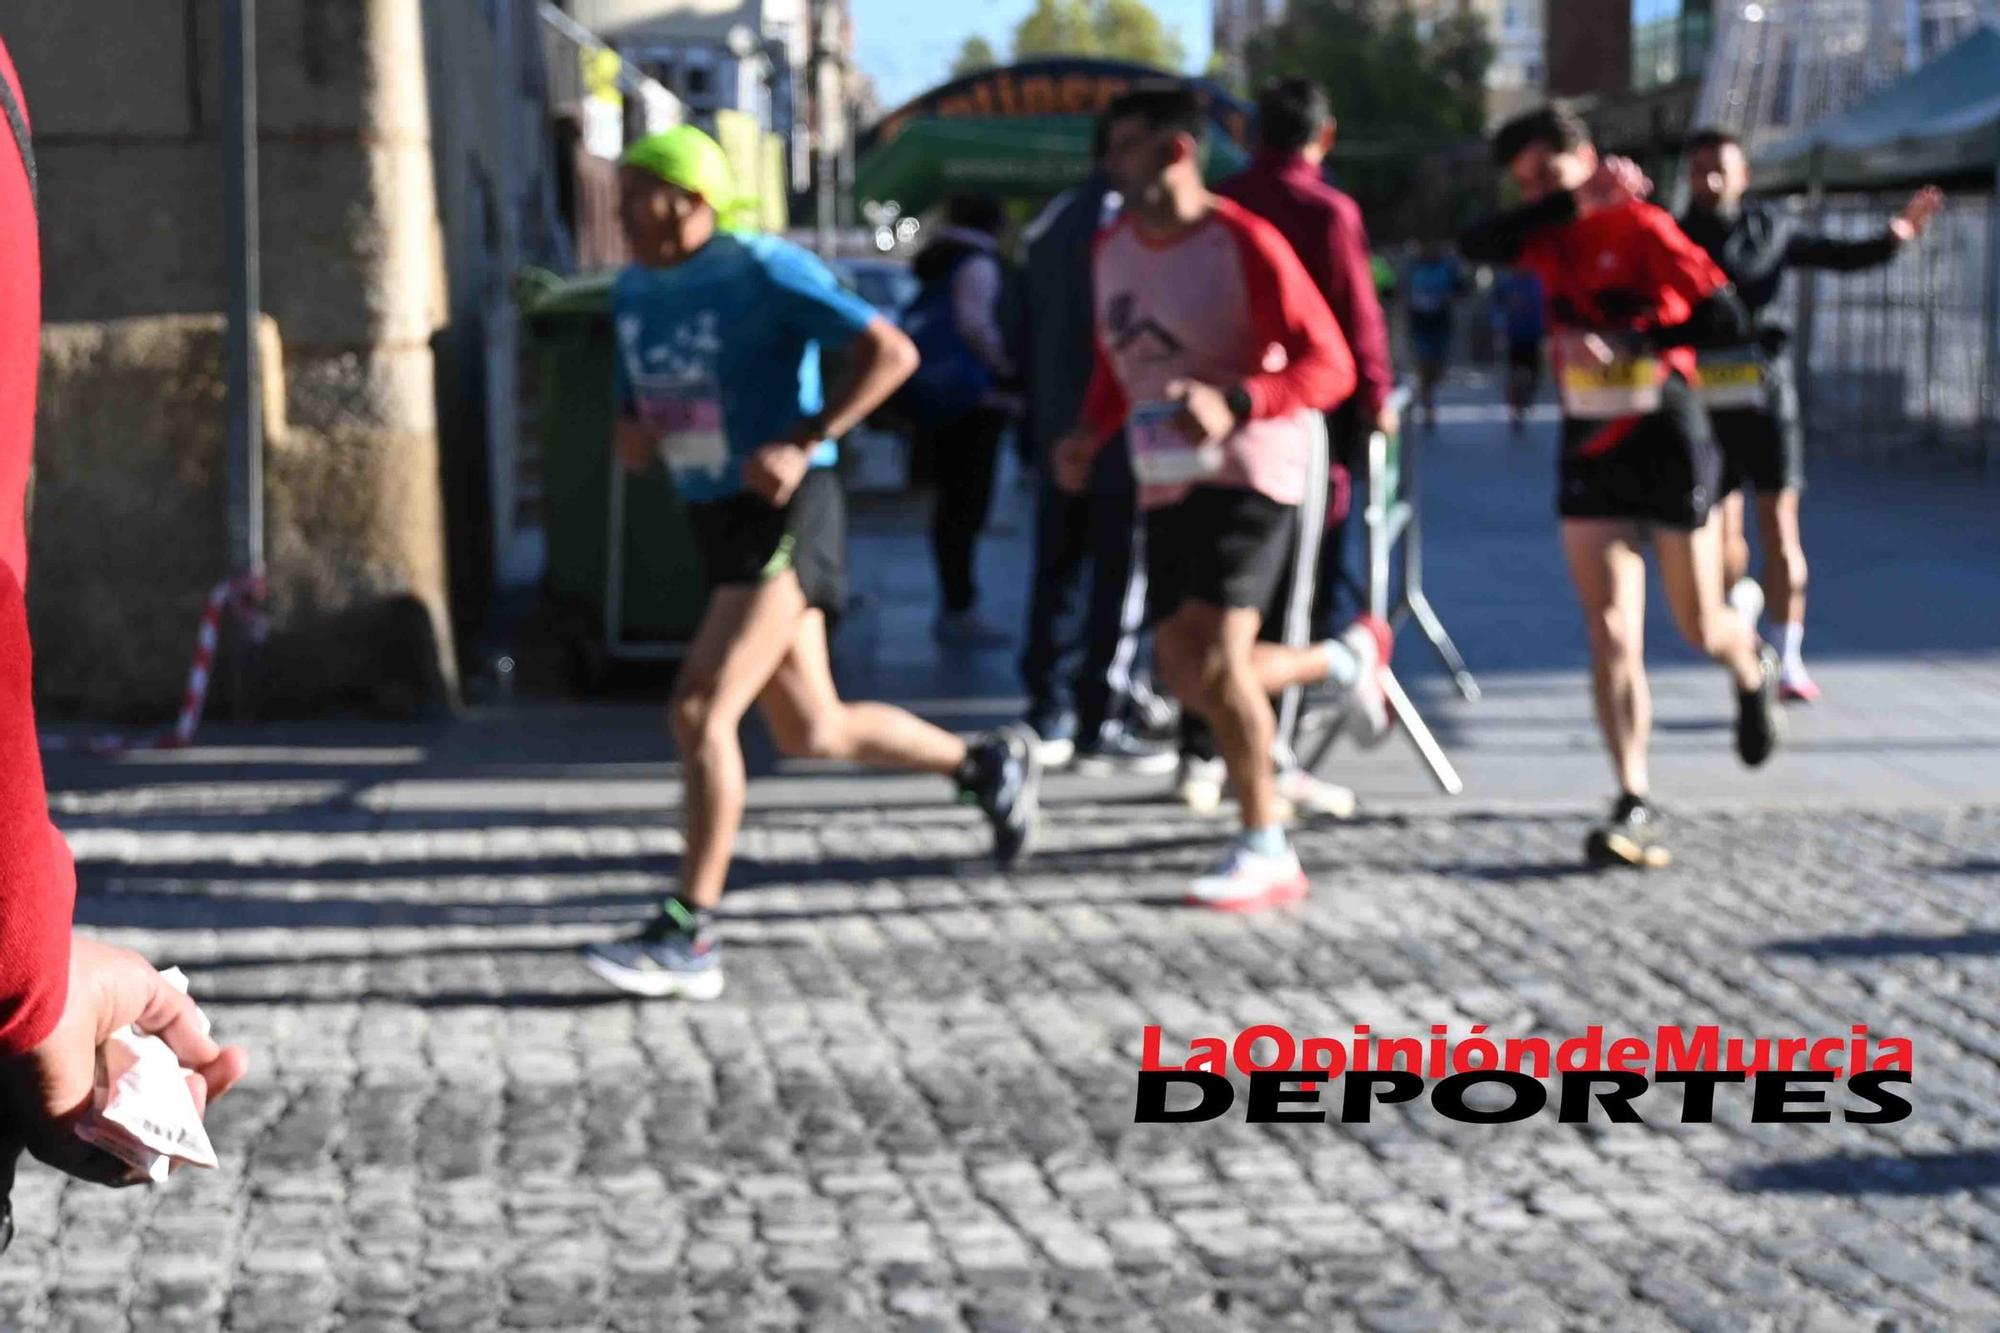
{"x":1902,"y":357}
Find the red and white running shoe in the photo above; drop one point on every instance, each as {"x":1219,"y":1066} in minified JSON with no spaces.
{"x":1246,"y":880}
{"x":1371,"y":641}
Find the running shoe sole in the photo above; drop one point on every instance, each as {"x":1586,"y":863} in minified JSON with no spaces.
{"x":1317,"y":797}
{"x":1055,"y":754}
{"x":1807,"y":693}
{"x":655,"y":984}
{"x":1608,"y":849}
{"x":1152,"y":766}
{"x":1203,"y":798}
{"x":1278,"y":895}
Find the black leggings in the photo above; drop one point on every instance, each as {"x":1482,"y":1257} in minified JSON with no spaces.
{"x":963,"y":456}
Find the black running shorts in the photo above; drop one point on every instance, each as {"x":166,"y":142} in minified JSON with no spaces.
{"x":1665,"y":470}
{"x":744,"y":540}
{"x":1764,"y":447}
{"x":1219,"y":545}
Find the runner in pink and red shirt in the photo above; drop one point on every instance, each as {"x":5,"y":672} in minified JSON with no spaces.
{"x":1218,"y":355}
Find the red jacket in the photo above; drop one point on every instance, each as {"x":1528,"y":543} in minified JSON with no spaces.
{"x":37,"y":879}
{"x":1326,"y":232}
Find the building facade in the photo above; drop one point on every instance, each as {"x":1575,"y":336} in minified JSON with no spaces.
{"x":1634,"y":68}
{"x":1670,"y":41}
{"x":1518,"y":76}
{"x":788,"y":64}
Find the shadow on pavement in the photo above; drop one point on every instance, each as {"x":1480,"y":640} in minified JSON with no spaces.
{"x":1902,"y":1173}
{"x":1975,"y":943}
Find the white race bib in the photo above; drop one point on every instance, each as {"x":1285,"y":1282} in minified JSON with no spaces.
{"x":688,"y":416}
{"x":1161,"y":456}
{"x":1593,"y":391}
{"x":1732,"y":378}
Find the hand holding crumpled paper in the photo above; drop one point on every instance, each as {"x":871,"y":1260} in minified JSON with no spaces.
{"x":77,"y":1074}
{"x":142,"y":1110}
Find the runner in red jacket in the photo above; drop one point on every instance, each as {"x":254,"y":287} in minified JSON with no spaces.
{"x":59,"y":998}
{"x":1629,"y":299}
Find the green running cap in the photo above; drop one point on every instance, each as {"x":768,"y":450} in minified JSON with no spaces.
{"x":685,"y":157}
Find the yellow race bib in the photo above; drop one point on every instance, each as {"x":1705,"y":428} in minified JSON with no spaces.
{"x":1593,"y":390}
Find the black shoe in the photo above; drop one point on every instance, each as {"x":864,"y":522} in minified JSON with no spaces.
{"x":1003,"y":776}
{"x":1760,"y":723}
{"x":1631,"y":837}
{"x":1117,"y":751}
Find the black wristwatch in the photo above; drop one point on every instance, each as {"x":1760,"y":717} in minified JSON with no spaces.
{"x":814,"y":428}
{"x":1239,"y":402}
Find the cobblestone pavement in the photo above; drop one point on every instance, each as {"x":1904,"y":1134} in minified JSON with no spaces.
{"x":913,"y":1109}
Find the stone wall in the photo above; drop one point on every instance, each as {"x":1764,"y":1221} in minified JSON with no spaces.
{"x":125,"y":97}
{"x":130,"y":517}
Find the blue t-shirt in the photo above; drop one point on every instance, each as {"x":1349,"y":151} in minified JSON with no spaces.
{"x":1431,"y":285}
{"x":1517,"y":305}
{"x":720,"y":353}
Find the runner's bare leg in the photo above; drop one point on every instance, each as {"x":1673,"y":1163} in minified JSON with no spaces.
{"x":1208,"y":651}
{"x":1607,"y":563}
{"x":809,"y":720}
{"x":747,"y":630}
{"x":1691,"y":570}
{"x":1784,"y":556}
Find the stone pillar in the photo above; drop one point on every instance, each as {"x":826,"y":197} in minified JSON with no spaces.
{"x":125,"y":95}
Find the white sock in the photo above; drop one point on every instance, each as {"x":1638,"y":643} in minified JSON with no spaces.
{"x":1746,"y":597}
{"x":1342,"y":666}
{"x":1791,"y":638}
{"x":1268,"y":841}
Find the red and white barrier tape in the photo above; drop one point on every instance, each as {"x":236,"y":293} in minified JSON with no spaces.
{"x":244,"y":596}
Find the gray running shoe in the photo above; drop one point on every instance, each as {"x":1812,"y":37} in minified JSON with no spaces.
{"x":676,"y":956}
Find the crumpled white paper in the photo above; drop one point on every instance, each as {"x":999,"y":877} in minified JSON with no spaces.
{"x":141,"y":1111}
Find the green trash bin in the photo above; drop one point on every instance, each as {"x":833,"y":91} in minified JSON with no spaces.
{"x":647,"y":604}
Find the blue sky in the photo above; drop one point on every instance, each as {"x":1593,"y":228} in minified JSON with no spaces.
{"x":906,"y":46}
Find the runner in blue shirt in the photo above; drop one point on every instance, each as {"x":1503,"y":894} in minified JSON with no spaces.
{"x":718,"y":339}
{"x":1431,"y":288}
{"x":1517,"y":316}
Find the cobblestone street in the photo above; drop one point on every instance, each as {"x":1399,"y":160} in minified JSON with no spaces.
{"x":913,"y":1107}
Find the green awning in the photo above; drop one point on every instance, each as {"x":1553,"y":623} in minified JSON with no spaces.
{"x":1938,"y":123}
{"x":1032,"y":157}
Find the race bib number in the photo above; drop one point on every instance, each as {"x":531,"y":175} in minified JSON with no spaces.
{"x":688,"y":417}
{"x":1161,"y":456}
{"x":1732,"y":379}
{"x":1595,"y":391}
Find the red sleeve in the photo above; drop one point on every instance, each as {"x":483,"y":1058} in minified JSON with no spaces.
{"x":1285,"y":308}
{"x":1104,"y":403}
{"x":1679,"y":264}
{"x":1356,"y":306}
{"x":37,"y":880}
